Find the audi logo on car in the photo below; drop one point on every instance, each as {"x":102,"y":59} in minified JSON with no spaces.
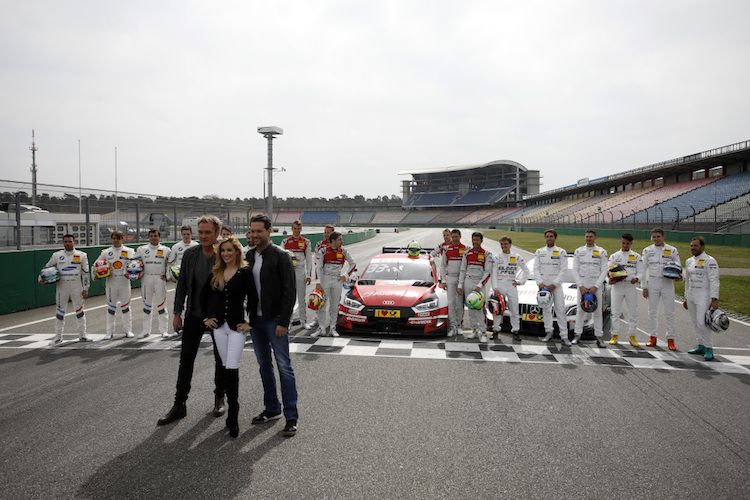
{"x":389,"y":302}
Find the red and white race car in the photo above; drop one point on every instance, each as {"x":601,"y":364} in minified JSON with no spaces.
{"x":396,"y":294}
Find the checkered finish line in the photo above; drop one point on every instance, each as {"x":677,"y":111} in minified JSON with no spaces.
{"x":586,"y":354}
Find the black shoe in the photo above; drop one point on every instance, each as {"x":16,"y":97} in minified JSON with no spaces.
{"x":290,"y":429}
{"x":600,"y":343}
{"x":516,"y":337}
{"x":232,"y":425}
{"x":178,"y":411}
{"x":265,"y":416}
{"x":219,"y":406}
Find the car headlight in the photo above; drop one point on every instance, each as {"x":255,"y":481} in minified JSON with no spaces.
{"x":426,"y":305}
{"x":353,"y":303}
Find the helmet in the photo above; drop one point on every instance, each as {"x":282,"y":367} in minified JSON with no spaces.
{"x":617,"y":273}
{"x":673,"y":271}
{"x":414,"y":249}
{"x":544,"y":297}
{"x":350,"y":281}
{"x":101,"y":269}
{"x":497,"y":304}
{"x":717,"y":320}
{"x":135,"y":269}
{"x":475,"y":300}
{"x":589,"y":302}
{"x":174,"y":273}
{"x":316,"y":300}
{"x":49,"y":275}
{"x":291,"y":255}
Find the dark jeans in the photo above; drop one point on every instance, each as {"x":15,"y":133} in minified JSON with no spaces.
{"x":192,"y":332}
{"x":264,"y":341}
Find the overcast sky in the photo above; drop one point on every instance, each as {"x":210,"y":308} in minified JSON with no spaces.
{"x":362,"y":89}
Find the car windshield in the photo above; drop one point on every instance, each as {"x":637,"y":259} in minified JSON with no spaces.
{"x":398,"y":269}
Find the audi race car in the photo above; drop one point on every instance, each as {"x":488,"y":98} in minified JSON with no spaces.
{"x":396,"y":294}
{"x":532,"y":318}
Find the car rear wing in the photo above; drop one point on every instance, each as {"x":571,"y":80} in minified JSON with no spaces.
{"x":403,"y":250}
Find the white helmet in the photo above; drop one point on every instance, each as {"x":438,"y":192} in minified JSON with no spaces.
{"x":717,"y":320}
{"x":135,"y":269}
{"x":673,"y":271}
{"x":543,"y":297}
{"x":350,"y":281}
{"x":49,"y":275}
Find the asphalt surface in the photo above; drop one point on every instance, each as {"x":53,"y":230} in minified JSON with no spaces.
{"x":81,"y":422}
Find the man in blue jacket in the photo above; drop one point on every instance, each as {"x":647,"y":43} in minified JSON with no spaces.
{"x":269,"y":306}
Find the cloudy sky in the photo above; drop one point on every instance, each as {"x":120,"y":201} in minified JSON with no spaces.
{"x":362,"y":89}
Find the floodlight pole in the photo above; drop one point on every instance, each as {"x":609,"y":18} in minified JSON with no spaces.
{"x":269,"y":133}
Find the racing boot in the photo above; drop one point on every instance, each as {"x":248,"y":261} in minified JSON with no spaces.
{"x":634,"y":342}
{"x":547,"y":337}
{"x":451,"y":331}
{"x":613,"y":340}
{"x":651,"y":342}
{"x":576,"y":339}
{"x":516,"y":337}
{"x":670,"y":343}
{"x":566,"y":342}
{"x":58,"y":340}
{"x":472,"y":335}
{"x":600,"y":343}
{"x":709,"y":354}
{"x":334,"y":333}
{"x":699,"y":349}
{"x":483,"y":339}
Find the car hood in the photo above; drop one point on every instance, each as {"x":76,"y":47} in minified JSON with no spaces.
{"x":392,"y":293}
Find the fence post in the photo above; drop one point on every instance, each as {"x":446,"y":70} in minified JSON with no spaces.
{"x":18,"y":220}
{"x":88,"y":223}
{"x":137,"y":221}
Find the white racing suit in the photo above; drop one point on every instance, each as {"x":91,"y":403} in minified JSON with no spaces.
{"x":590,"y":265}
{"x":476,"y":266}
{"x":659,"y":287}
{"x":302,"y":269}
{"x":329,"y":264}
{"x":177,"y":251}
{"x":625,"y":290}
{"x":550,"y":264}
{"x":153,"y":287}
{"x":701,"y":286}
{"x":505,"y":268}
{"x":73,"y":269}
{"x":117,"y":286}
{"x":451,"y":268}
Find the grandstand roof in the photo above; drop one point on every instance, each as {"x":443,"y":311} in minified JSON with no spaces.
{"x":462,"y":167}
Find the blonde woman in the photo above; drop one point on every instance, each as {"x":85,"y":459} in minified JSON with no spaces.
{"x":223,"y":300}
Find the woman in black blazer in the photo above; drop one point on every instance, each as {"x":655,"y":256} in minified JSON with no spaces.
{"x":223,"y":304}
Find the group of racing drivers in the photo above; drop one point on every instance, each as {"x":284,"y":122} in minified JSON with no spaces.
{"x":466,"y":272}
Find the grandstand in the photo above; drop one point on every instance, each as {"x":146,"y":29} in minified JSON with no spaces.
{"x":320,"y":217}
{"x":286,"y":217}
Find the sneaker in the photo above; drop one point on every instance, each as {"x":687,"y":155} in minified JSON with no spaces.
{"x":165,"y":335}
{"x":600,"y":343}
{"x":143,"y":335}
{"x":576,"y":339}
{"x":670,"y":343}
{"x":634,"y":342}
{"x":451,"y":332}
{"x":314,"y":323}
{"x":320,"y":332}
{"x":483,"y":339}
{"x":516,"y":337}
{"x":56,"y":340}
{"x":566,"y":342}
{"x":266,"y":416}
{"x":472,"y":335}
{"x":548,"y":337}
{"x":130,"y":335}
{"x":290,"y":429}
{"x":709,"y":354}
{"x":307,"y":326}
{"x":84,"y":338}
{"x":492,"y":336}
{"x":699,"y":349}
{"x":613,"y":340}
{"x":334,"y":333}
{"x":107,"y":336}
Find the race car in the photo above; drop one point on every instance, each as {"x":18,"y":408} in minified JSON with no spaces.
{"x":532,"y":319}
{"x":397,"y":294}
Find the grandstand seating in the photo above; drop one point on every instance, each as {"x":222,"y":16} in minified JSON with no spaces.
{"x":483,"y":196}
{"x":681,"y":194}
{"x":450,"y":216}
{"x":436,"y":199}
{"x":362,"y":217}
{"x":734,"y":210}
{"x":498,"y":214}
{"x":286,"y":217}
{"x":320,"y":217}
{"x":628,"y":201}
{"x":420,"y":217}
{"x":388,"y":217}
{"x":476,"y":215}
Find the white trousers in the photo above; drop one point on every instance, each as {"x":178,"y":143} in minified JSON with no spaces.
{"x":581,"y":315}
{"x":229,"y":343}
{"x":455,"y":304}
{"x":328,"y":314}
{"x":477,"y":318}
{"x":154,"y":294}
{"x":69,"y":291}
{"x":118,"y":290}
{"x":301,"y":282}
{"x":697,"y":307}
{"x":558,"y":300}
{"x":627,"y":292}
{"x":510,"y":293}
{"x":663,"y":291}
